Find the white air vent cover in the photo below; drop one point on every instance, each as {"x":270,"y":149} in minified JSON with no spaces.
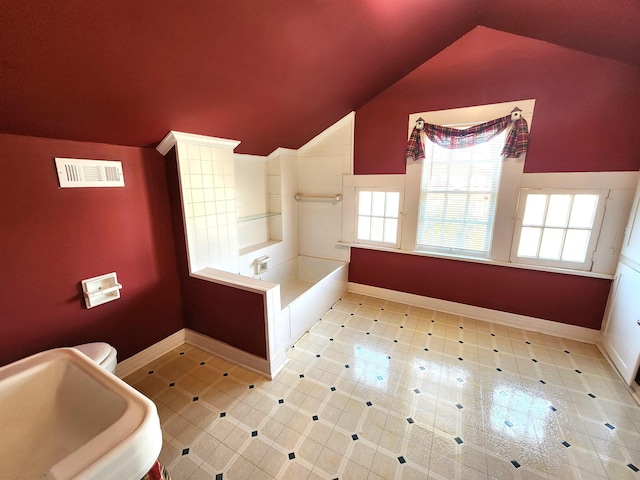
{"x":73,"y":172}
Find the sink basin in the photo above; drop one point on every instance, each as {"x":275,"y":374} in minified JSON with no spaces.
{"x":64,"y":417}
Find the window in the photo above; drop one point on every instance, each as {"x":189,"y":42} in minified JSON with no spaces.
{"x":378,"y":217}
{"x":458,"y":196}
{"x":558,"y":228}
{"x":462,"y":208}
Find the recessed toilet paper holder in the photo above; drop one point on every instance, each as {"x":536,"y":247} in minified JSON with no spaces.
{"x":101,"y":289}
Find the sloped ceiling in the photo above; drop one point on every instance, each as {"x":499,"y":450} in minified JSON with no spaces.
{"x":269,"y":73}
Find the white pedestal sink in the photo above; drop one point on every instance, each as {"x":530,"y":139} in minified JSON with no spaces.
{"x":64,"y":417}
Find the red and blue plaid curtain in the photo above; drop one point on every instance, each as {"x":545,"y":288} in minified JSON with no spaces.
{"x":515,"y":145}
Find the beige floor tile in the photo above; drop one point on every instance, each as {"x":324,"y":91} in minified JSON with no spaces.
{"x":383,"y":390}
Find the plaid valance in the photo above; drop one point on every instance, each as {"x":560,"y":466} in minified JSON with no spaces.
{"x":515,"y":145}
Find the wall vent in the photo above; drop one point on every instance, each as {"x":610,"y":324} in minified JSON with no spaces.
{"x":73,"y":173}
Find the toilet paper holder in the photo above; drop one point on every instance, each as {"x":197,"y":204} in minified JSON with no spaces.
{"x":101,"y":289}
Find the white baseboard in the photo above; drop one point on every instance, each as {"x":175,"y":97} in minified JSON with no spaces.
{"x":140,"y":359}
{"x":547,"y":327}
{"x":208,"y":344}
{"x":234,"y":355}
{"x":634,"y":388}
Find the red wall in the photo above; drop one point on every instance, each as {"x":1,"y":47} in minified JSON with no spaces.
{"x":585,"y":117}
{"x":230,"y":315}
{"x":52,"y":238}
{"x":551,"y":296}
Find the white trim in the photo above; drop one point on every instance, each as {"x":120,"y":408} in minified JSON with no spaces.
{"x":547,"y":327}
{"x":208,"y":344}
{"x":235,"y":355}
{"x":634,"y":388}
{"x":462,"y":117}
{"x":245,"y":157}
{"x":234,"y":280}
{"x":581,"y":180}
{"x":174,"y":137}
{"x":349,"y":118}
{"x":148,"y":355}
{"x":485,"y":261}
{"x":281,"y":151}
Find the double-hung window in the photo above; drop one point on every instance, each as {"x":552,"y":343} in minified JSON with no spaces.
{"x":458,"y":197}
{"x":473,"y":203}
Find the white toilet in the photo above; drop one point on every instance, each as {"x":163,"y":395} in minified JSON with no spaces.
{"x":101,"y":353}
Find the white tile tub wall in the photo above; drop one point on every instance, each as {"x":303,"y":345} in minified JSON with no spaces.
{"x":208,"y":185}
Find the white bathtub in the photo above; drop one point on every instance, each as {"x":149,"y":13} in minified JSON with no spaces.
{"x":309,"y":286}
{"x":296,"y":295}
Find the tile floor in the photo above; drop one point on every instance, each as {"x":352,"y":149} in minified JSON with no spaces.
{"x":381,"y":390}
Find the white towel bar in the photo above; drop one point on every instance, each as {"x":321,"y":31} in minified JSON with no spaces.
{"x":336,"y":198}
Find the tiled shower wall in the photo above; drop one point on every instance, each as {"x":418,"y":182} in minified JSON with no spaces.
{"x":321,"y":165}
{"x":208,"y":187}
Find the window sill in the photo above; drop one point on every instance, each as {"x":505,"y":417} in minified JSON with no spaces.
{"x":485,"y":261}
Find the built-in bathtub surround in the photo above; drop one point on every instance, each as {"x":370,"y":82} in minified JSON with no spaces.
{"x":323,"y":162}
{"x":208,"y":187}
{"x":260,"y":201}
{"x":258,"y":188}
{"x":381,"y":390}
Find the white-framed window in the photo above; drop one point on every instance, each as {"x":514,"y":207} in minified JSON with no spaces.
{"x":558,"y":227}
{"x":458,"y":197}
{"x":378,"y":216}
{"x":483,"y":185}
{"x":615,"y":192}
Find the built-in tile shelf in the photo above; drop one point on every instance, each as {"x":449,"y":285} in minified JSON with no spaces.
{"x":258,"y":216}
{"x":259,"y":246}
